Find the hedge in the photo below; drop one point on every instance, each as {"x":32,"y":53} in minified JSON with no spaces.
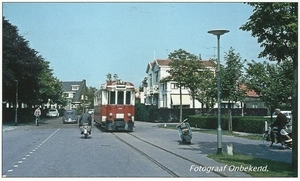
{"x":248,"y":124}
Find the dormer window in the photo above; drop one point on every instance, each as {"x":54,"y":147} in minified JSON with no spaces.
{"x":75,"y":87}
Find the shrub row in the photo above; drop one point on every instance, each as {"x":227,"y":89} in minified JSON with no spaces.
{"x":248,"y":124}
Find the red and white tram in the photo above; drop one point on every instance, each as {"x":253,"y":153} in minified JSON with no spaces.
{"x":114,"y":105}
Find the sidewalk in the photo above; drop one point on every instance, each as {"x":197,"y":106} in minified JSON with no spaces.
{"x":9,"y":126}
{"x":241,"y":145}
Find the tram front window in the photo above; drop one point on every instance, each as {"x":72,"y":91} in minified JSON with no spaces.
{"x":128,"y":97}
{"x":112,"y":97}
{"x":120,"y":97}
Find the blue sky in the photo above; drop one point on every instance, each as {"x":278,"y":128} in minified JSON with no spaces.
{"x":90,"y":40}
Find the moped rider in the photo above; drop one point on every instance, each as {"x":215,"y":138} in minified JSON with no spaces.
{"x":85,"y":118}
{"x":281,"y":121}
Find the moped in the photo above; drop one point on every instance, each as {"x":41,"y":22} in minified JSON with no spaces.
{"x":85,"y":129}
{"x":185,"y":131}
{"x":273,"y":136}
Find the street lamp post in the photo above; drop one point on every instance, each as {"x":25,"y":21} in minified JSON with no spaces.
{"x":218,"y":33}
{"x":16,"y":109}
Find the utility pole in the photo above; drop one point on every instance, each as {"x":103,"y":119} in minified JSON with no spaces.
{"x":16,"y":108}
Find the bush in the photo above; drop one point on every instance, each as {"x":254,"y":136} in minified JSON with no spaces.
{"x":141,"y":112}
{"x":249,"y":124}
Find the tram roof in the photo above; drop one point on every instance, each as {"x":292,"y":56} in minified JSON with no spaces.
{"x":112,"y":83}
{"x":117,"y":85}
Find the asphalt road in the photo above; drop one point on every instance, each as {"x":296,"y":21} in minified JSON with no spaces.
{"x":54,"y":149}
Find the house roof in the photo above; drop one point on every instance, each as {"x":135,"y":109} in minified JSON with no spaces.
{"x":67,"y":87}
{"x":252,"y":93}
{"x":249,"y":93}
{"x":165,"y":62}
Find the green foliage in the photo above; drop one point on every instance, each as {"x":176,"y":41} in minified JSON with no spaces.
{"x":180,"y":71}
{"x":272,"y":82}
{"x":189,"y":72}
{"x":274,"y":168}
{"x":141,"y":111}
{"x":232,"y":77}
{"x":36,"y":82}
{"x":249,"y":124}
{"x":275,"y":25}
{"x":90,"y":93}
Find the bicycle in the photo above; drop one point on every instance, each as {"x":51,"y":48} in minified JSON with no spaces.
{"x":37,"y":121}
{"x":272,"y":136}
{"x":268,"y":138}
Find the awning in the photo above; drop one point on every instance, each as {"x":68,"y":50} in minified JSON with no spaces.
{"x":185,"y":99}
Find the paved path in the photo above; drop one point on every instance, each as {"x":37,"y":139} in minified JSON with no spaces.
{"x":207,"y":143}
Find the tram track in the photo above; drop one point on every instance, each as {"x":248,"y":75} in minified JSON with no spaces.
{"x":148,"y":157}
{"x":165,"y":150}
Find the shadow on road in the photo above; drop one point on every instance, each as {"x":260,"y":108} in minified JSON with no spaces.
{"x":260,"y":150}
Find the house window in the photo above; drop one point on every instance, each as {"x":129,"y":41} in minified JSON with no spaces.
{"x":66,"y":94}
{"x":254,"y":106}
{"x":164,"y":86}
{"x":156,"y":78}
{"x":150,"y":80}
{"x":75,"y":87}
{"x":174,"y":86}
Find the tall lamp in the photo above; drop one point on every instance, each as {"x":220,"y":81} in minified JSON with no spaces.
{"x":16,"y":111}
{"x":218,"y":33}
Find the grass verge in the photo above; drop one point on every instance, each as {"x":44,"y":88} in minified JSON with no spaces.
{"x":256,"y":167}
{"x":212,"y":131}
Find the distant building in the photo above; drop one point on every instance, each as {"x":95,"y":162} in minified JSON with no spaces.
{"x":253,"y":100}
{"x":73,"y":91}
{"x":167,"y":94}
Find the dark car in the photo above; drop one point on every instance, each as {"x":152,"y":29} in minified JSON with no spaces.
{"x":70,"y":116}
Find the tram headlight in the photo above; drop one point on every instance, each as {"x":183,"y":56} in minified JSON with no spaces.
{"x":129,"y":115}
{"x":110,"y":114}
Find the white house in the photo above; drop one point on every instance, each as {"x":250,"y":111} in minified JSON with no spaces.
{"x":166,"y":94}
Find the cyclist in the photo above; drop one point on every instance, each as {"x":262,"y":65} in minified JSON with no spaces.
{"x":37,"y":114}
{"x":281,"y":121}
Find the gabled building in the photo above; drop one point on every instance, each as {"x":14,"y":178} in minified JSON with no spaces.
{"x":73,"y":91}
{"x":252,"y":99}
{"x":166,"y":94}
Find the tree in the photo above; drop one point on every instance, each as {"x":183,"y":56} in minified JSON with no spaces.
{"x":203,"y":84}
{"x":22,"y":63}
{"x":231,"y":81}
{"x":180,"y":71}
{"x":231,"y":76}
{"x":19,"y":63}
{"x":272,"y":82}
{"x":275,"y":25}
{"x":90,"y":94}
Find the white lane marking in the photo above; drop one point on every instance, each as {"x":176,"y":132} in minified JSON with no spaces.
{"x":24,"y":158}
